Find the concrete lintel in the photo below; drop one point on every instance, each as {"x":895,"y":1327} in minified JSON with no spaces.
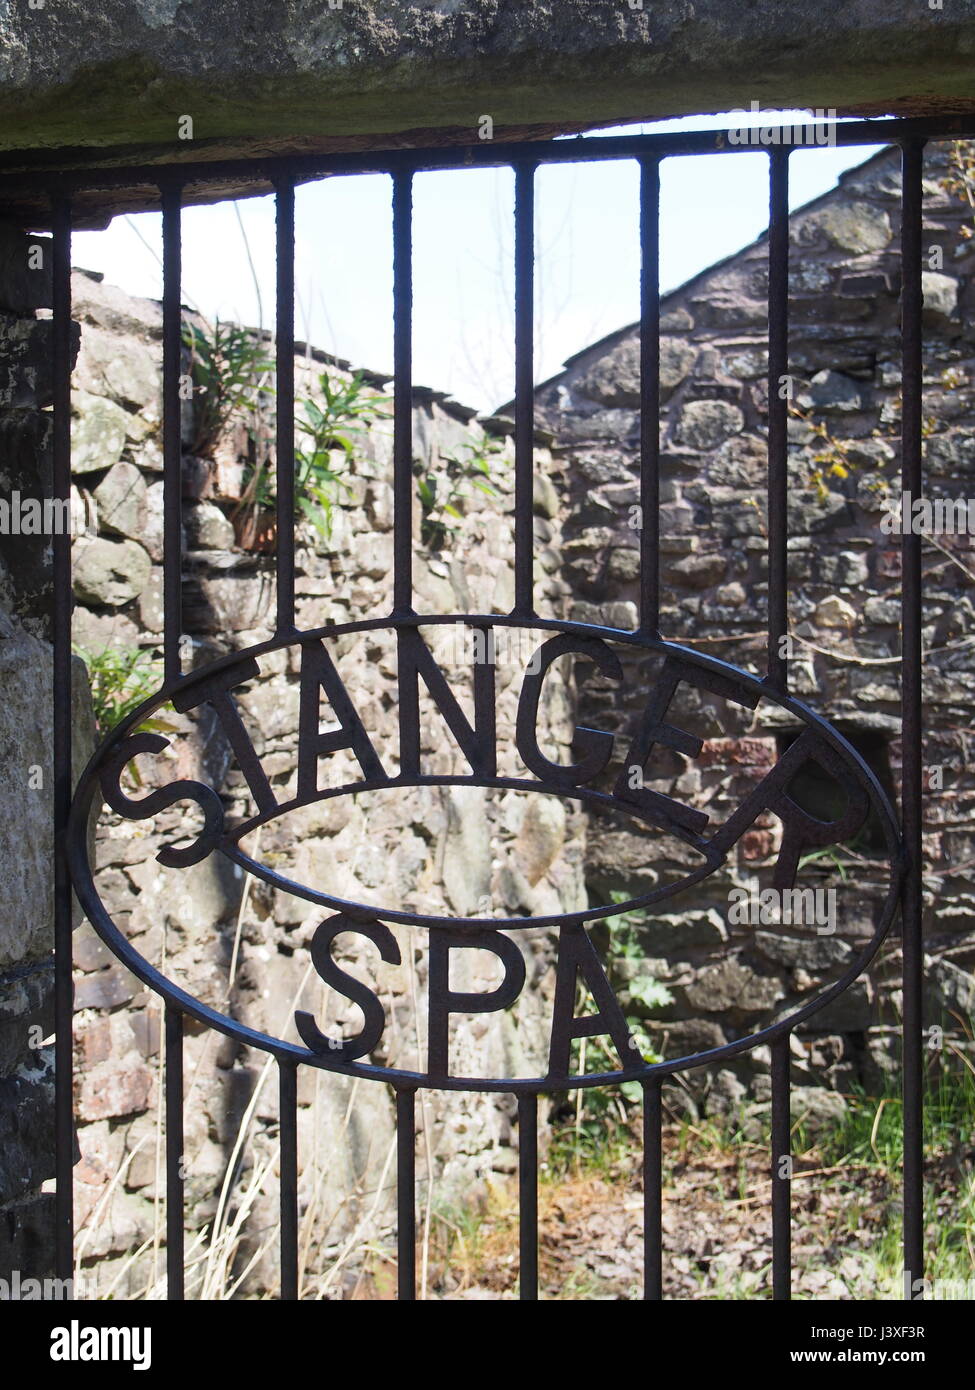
{"x":85,"y":83}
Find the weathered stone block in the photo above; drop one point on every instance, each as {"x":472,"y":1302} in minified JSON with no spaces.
{"x":810,"y":953}
{"x":105,"y":989}
{"x":682,"y":931}
{"x":851,"y":1012}
{"x":27,"y":1238}
{"x":809,"y":513}
{"x":113,"y":1089}
{"x":818,"y":1110}
{"x":855,"y":226}
{"x":25,"y":755}
{"x":951,"y":990}
{"x":109,"y":573}
{"x":615,"y":380}
{"x":125,"y":369}
{"x":207,"y":528}
{"x":730,"y":985}
{"x":835,"y":612}
{"x":706,"y":424}
{"x":27,"y":1124}
{"x":940,"y":298}
{"x":98,"y":432}
{"x":831,"y":393}
{"x":121,"y":501}
{"x":950,"y":453}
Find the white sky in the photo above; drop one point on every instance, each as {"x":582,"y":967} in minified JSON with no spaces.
{"x":587,"y":255}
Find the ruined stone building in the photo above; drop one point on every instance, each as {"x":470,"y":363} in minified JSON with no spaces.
{"x":844,"y":517}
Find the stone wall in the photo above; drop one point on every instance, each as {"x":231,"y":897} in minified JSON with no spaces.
{"x":844,"y":604}
{"x":240,"y":945}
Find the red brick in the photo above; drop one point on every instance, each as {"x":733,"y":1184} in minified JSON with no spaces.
{"x":115,"y":1089}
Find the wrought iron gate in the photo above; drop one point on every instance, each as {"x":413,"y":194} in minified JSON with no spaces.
{"x":819,"y":739}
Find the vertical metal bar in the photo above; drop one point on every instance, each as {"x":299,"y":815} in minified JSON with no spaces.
{"x":288,"y":1107}
{"x":528,"y":1196}
{"x":912,"y":793}
{"x":174,"y":1154}
{"x":781,"y":1171}
{"x":284,"y":357}
{"x":172,"y":430}
{"x":403,"y":392}
{"x":778,"y":417}
{"x":524,"y":388}
{"x":650,"y":397}
{"x":61,"y":727}
{"x":406,"y":1195}
{"x":652,"y":1192}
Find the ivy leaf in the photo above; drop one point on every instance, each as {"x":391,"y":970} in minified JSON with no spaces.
{"x":650,"y":992}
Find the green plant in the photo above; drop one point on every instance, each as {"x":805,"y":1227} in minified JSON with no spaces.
{"x":328,"y":425}
{"x":121,"y":679}
{"x":871,"y":1130}
{"x":442,"y":495}
{"x":231,"y":374}
{"x":829,"y":855}
{"x":869,"y":1140}
{"x":832,"y":458}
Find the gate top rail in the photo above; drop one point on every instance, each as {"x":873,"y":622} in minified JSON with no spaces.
{"x":487,"y":154}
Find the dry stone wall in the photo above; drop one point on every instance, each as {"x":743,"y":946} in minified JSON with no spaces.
{"x":844,"y":570}
{"x":239,"y":944}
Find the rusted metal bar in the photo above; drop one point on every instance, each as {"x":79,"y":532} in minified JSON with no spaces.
{"x":778,"y":420}
{"x":172,"y":431}
{"x":175,"y":1272}
{"x":912,"y":788}
{"x":524,"y":387}
{"x":284,"y":355}
{"x":650,"y":396}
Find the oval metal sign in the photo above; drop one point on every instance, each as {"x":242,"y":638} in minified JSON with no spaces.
{"x":607,"y":772}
